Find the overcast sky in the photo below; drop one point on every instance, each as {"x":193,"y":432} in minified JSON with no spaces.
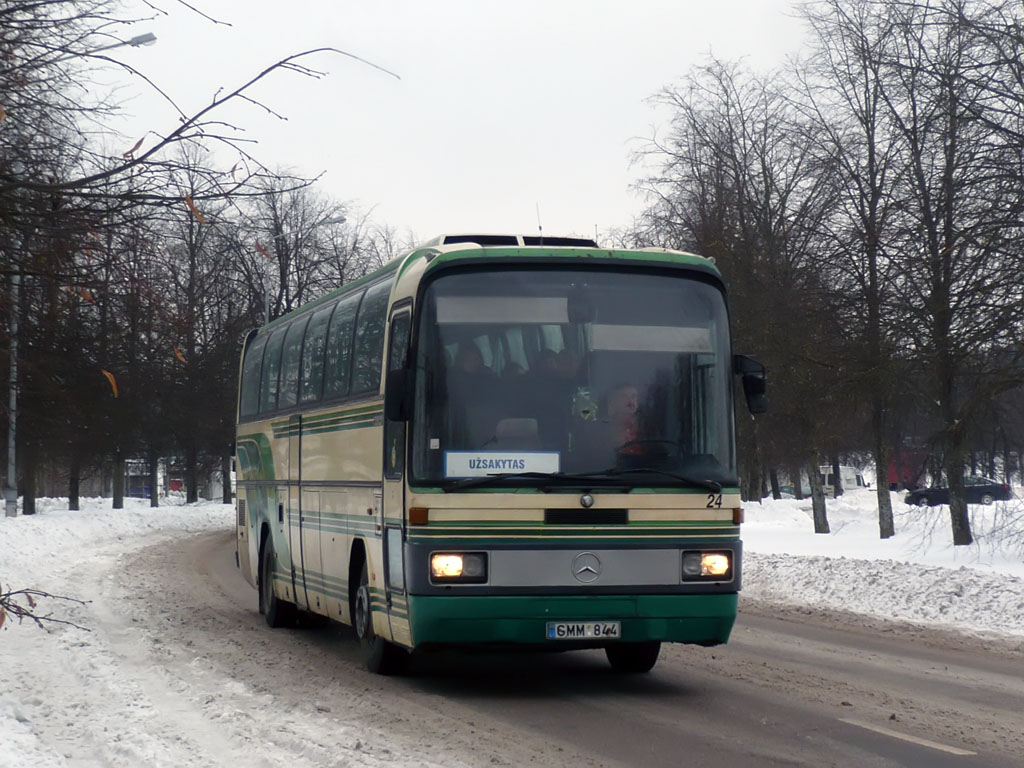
{"x":503,"y":107}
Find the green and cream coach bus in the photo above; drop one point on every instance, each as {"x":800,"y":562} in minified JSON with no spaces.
{"x":501,"y":442}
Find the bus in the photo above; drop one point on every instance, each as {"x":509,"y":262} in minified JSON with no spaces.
{"x":499,"y":442}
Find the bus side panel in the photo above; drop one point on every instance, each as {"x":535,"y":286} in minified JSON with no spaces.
{"x":375,"y":567}
{"x":341,"y":459}
{"x":254,"y":464}
{"x":335,"y":543}
{"x":243,"y":537}
{"x":284,"y":572}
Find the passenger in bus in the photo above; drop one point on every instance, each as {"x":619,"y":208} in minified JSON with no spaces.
{"x":553,"y":388}
{"x":513,"y":371}
{"x":471,"y":397}
{"x":613,"y":438}
{"x":623,"y":416}
{"x":559,"y":366}
{"x":469,"y":362}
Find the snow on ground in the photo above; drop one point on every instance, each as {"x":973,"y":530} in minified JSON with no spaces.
{"x":60,"y":552}
{"x":917,"y":576}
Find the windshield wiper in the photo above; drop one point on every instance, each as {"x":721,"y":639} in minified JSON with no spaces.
{"x":607,"y":474}
{"x":707,"y":484}
{"x":583,"y":480}
{"x":472,"y":482}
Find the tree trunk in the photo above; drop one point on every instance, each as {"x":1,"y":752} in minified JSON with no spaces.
{"x":961,"y":523}
{"x":192,"y":476}
{"x":886,"y":526}
{"x":118,"y":478}
{"x":752,"y":468}
{"x":817,"y":497}
{"x":74,"y":480}
{"x":798,"y":483}
{"x":773,"y":478}
{"x":28,"y":501}
{"x":225,"y":472}
{"x":1007,"y":466}
{"x":837,"y":479}
{"x":154,"y":479}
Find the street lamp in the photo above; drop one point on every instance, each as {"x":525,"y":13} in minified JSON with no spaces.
{"x":11,"y":491}
{"x":146,"y":38}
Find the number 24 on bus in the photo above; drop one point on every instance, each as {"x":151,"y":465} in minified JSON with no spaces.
{"x":499,"y":441}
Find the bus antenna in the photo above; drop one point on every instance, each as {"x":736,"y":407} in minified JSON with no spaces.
{"x":540,"y":229}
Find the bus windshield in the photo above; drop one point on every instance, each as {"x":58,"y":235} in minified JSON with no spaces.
{"x":543,"y":373}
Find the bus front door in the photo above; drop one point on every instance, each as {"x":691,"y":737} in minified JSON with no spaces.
{"x":394,"y":489}
{"x":295,"y":516}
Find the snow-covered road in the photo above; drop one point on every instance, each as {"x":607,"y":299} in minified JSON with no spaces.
{"x":172,"y":673}
{"x":179,"y":669}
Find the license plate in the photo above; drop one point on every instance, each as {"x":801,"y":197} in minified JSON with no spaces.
{"x":584,"y":630}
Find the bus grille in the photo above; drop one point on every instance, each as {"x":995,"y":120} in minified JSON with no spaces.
{"x":241,"y":513}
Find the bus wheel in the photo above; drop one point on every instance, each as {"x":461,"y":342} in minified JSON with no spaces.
{"x":379,"y":656}
{"x":633,"y":658}
{"x":277,"y":612}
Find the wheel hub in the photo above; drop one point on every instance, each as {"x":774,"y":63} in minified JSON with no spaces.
{"x":363,"y":612}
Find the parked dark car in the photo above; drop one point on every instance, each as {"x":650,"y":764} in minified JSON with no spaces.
{"x":979,"y":490}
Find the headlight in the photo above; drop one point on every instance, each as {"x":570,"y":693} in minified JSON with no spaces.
{"x":712,"y":566}
{"x":458,"y":567}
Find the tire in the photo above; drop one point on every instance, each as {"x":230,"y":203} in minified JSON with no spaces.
{"x":633,"y":658}
{"x":987,"y":499}
{"x":379,"y":656}
{"x":277,"y":612}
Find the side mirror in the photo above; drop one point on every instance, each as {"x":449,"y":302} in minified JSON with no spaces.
{"x":755,"y":381}
{"x":398,"y":395}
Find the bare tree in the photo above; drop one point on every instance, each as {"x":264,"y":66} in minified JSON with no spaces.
{"x":738,"y":182}
{"x":962,"y":286}
{"x":842,"y":93}
{"x":21,"y":604}
{"x":54,"y":131}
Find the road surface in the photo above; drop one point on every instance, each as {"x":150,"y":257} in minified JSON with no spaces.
{"x":791,"y":688}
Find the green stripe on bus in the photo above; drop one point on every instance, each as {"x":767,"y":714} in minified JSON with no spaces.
{"x":255,"y":458}
{"x":523,"y":619}
{"x":576,"y":532}
{"x":504,"y":491}
{"x":330,"y":418}
{"x":638,"y":525}
{"x":565,"y":541}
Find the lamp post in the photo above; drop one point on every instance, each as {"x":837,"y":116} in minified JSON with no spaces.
{"x":147,"y":38}
{"x":11,"y":489}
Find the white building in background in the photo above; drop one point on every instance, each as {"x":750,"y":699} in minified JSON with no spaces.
{"x":850,"y":477}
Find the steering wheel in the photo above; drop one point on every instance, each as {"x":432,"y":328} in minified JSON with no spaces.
{"x":648,"y":441}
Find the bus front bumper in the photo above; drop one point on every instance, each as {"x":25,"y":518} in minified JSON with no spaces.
{"x":705,"y":619}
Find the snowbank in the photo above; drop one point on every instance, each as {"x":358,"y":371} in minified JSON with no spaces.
{"x":917,"y":575}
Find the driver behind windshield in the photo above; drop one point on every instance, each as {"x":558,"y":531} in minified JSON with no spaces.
{"x":623,"y":406}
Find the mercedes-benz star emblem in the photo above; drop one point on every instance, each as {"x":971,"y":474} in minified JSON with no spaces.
{"x":586,"y":501}
{"x":586,"y":567}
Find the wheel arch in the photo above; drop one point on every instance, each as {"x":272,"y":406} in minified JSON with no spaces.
{"x":356,"y":557}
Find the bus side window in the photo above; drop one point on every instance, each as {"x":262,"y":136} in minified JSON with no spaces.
{"x":369,"y":341}
{"x":312,"y":377}
{"x":271,"y":369}
{"x":339,"y":347}
{"x":394,"y":431}
{"x":250,"y":399}
{"x":290,"y":364}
